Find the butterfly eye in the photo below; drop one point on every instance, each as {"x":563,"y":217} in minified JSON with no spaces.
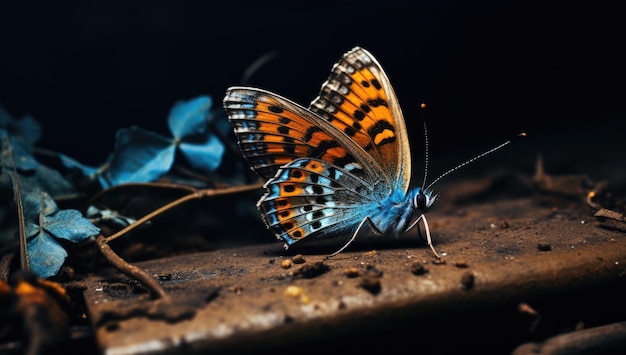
{"x":420,"y":201}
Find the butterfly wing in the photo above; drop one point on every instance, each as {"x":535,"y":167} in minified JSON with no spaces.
{"x":310,"y":199}
{"x":358,"y":99}
{"x":272,"y":131}
{"x":328,"y":166}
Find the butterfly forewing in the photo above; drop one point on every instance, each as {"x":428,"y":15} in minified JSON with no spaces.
{"x":359,"y":100}
{"x":273,"y":131}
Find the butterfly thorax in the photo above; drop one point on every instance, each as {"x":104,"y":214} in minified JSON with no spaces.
{"x":395,"y":213}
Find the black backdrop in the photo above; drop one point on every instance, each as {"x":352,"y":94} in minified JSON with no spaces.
{"x":486,"y":69}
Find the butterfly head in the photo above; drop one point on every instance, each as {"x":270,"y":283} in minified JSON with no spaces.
{"x":423,"y":200}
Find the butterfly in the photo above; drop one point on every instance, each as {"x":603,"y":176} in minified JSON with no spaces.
{"x":334,"y":167}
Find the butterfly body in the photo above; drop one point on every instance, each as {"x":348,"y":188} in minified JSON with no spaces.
{"x":395,"y":213}
{"x":336,"y":166}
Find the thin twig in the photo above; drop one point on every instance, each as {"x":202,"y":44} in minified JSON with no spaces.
{"x":133,"y":271}
{"x":192,"y":196}
{"x":129,"y":269}
{"x":21,"y":220}
{"x":159,"y":185}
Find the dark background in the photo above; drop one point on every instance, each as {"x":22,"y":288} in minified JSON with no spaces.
{"x":486,"y":69}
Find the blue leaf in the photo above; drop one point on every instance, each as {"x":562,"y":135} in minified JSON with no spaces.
{"x":70,"y":225}
{"x":22,"y":157}
{"x":89,"y":172}
{"x":45,"y":254}
{"x":29,"y":129}
{"x":143,"y":156}
{"x":221,"y":124}
{"x":14,"y":153}
{"x":71,"y":163}
{"x":36,"y":203}
{"x":188,"y":123}
{"x":26,"y":128}
{"x":207,"y":156}
{"x":140,"y":156}
{"x":52,"y":181}
{"x":189,"y":118}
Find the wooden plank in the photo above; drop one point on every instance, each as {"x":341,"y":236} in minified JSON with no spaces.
{"x":496,"y":257}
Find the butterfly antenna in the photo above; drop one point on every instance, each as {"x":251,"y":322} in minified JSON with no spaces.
{"x":425,"y":151}
{"x":518,"y":136}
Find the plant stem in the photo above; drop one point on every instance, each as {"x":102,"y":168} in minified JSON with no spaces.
{"x":129,"y":269}
{"x":192,"y":196}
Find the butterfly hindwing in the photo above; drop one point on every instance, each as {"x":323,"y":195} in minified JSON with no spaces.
{"x":312,"y":198}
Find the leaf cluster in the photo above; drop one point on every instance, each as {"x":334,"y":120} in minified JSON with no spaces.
{"x":36,"y":178}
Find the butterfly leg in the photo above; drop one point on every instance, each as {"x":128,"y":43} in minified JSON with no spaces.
{"x":427,"y":230}
{"x":428,"y":239}
{"x":366,"y":219}
{"x":375,"y":228}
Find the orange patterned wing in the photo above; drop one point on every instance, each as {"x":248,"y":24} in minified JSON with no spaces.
{"x":359,"y":100}
{"x":272,"y":131}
